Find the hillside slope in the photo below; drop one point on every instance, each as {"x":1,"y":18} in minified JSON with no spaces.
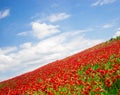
{"x":95,"y":71}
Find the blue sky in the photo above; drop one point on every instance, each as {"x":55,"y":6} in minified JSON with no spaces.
{"x":36,"y":32}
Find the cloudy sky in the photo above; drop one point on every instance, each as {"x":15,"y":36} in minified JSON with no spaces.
{"x":36,"y":32}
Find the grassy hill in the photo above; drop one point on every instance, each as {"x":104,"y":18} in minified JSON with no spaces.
{"x":95,"y":71}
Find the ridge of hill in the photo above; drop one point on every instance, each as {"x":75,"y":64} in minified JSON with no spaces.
{"x":94,"y":71}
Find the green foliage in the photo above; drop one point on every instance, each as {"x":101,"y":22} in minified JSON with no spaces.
{"x":109,"y":65}
{"x":80,"y":72}
{"x":112,"y":56}
{"x":62,"y":89}
{"x":118,"y":59}
{"x":39,"y":80}
{"x":114,"y":89}
{"x":95,"y":67}
{"x":3,"y":85}
{"x":117,"y":38}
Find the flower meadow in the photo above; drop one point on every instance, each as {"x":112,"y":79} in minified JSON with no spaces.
{"x":94,"y":71}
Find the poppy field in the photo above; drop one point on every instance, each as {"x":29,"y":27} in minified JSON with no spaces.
{"x":94,"y":71}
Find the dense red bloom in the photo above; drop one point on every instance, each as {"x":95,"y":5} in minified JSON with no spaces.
{"x":102,"y":72}
{"x":83,"y":73}
{"x":108,"y":82}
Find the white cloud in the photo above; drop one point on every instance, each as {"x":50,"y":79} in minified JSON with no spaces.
{"x":117,"y":33}
{"x":58,"y":17}
{"x":8,"y":50}
{"x":82,"y":30}
{"x":106,"y":26}
{"x":26,"y":45}
{"x":22,"y":33}
{"x":42,"y":30}
{"x":4,"y":13}
{"x":31,"y":56}
{"x":102,"y":2}
{"x":6,"y":63}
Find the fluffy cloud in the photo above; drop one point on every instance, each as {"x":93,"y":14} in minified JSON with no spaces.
{"x":5,"y":62}
{"x":4,"y":13}
{"x":7,"y":50}
{"x":117,"y":33}
{"x":106,"y":26}
{"x":26,"y":45}
{"x":30,"y":56}
{"x":58,"y":17}
{"x":42,"y":30}
{"x":102,"y":2}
